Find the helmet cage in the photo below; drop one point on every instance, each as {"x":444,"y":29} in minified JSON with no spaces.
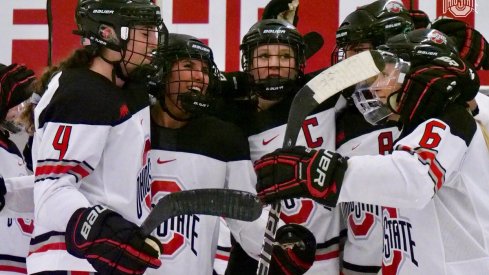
{"x":95,"y":19}
{"x":201,"y":92}
{"x":283,"y":34}
{"x":366,"y":94}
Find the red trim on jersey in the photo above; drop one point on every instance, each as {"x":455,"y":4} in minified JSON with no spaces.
{"x":426,"y":156}
{"x":16,"y":269}
{"x":47,"y":247}
{"x":61,"y":169}
{"x":222,"y":257}
{"x":435,"y":168}
{"x":327,"y":256}
{"x":80,"y":273}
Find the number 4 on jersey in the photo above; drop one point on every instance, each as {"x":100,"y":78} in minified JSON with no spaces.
{"x":61,"y":140}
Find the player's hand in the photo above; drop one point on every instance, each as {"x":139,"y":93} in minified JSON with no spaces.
{"x":471,"y":45}
{"x":282,"y":9}
{"x":428,"y":89}
{"x":3,"y":191}
{"x":420,"y":19}
{"x":294,"y":250}
{"x":14,"y":80}
{"x":300,"y":172}
{"x":110,"y":243}
{"x":235,"y":85}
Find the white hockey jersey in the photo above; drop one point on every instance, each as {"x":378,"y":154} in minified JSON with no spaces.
{"x":266,"y":135}
{"x":362,"y":251}
{"x":19,"y":200}
{"x":436,"y":183}
{"x":15,"y":232}
{"x":206,"y":153}
{"x":90,"y":147}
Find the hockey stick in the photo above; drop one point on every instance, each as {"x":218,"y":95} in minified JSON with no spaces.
{"x":234,"y":204}
{"x":325,"y":85}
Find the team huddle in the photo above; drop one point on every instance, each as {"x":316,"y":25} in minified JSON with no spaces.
{"x":387,"y":176}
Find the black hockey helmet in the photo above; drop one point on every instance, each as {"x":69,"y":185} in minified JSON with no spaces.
{"x":92,"y":15}
{"x":433,"y":57}
{"x":420,"y":46}
{"x":200,"y":97}
{"x":273,"y":31}
{"x":373,"y":23}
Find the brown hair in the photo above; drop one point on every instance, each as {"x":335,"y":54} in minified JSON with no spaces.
{"x":80,"y":58}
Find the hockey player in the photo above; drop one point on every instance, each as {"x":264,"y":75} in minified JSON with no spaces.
{"x":437,"y":224}
{"x":15,"y":232}
{"x":273,"y":54}
{"x":90,"y":147}
{"x":365,"y":28}
{"x":192,"y":150}
{"x":357,"y":137}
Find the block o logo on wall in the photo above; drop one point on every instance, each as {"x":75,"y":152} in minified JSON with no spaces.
{"x":458,"y":8}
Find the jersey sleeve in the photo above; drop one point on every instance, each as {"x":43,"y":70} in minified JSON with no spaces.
{"x":72,"y":127}
{"x":419,"y":165}
{"x":19,"y":200}
{"x":59,"y":173}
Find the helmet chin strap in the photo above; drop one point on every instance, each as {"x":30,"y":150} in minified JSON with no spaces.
{"x":117,"y":67}
{"x":166,"y":110}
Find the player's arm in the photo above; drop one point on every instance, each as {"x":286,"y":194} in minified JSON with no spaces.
{"x":70,"y":144}
{"x":19,"y":201}
{"x":408,"y":178}
{"x":66,"y":154}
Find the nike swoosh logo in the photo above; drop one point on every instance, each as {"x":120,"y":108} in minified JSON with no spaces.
{"x":266,"y":142}
{"x":164,"y":161}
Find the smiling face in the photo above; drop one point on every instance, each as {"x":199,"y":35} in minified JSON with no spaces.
{"x":186,"y":76}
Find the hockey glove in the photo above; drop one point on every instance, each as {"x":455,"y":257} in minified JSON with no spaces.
{"x":420,"y":19}
{"x":3,"y":191}
{"x":294,"y":250}
{"x":110,"y":243}
{"x":428,"y":89}
{"x":282,"y":9}
{"x":471,"y":45}
{"x":14,"y":80}
{"x":300,"y":172}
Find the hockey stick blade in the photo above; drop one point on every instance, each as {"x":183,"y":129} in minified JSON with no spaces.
{"x":327,"y":84}
{"x":333,"y":80}
{"x":233,"y":204}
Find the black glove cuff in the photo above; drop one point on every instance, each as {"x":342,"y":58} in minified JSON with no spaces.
{"x":81,"y":230}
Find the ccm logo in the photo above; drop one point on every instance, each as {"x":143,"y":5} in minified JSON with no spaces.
{"x":92,"y":216}
{"x":322,"y":169}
